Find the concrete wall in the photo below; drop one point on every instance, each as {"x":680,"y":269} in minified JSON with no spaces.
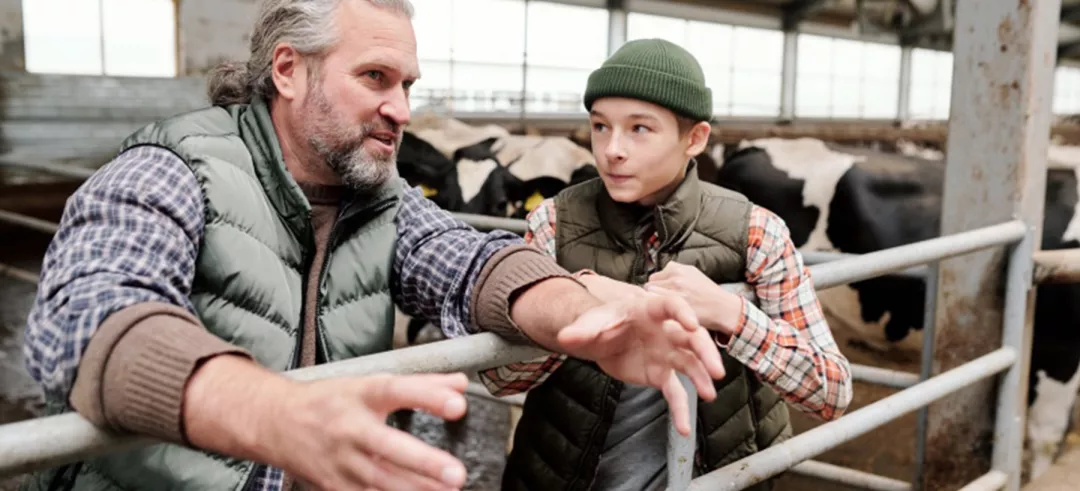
{"x":212,"y":31}
{"x":61,"y":117}
{"x":12,"y":52}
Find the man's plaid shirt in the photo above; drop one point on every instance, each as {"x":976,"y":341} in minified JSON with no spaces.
{"x":785,"y":341}
{"x":131,"y":234}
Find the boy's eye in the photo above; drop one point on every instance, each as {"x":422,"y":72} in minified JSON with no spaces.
{"x":598,"y":126}
{"x":640,"y":128}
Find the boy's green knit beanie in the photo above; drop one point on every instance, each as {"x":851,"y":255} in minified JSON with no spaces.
{"x":656,"y":71}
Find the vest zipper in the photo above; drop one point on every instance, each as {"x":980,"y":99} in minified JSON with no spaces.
{"x":346,"y":214}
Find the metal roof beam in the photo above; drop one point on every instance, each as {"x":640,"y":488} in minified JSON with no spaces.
{"x":800,"y":11}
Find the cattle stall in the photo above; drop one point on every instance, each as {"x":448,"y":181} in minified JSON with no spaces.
{"x":975,"y":380}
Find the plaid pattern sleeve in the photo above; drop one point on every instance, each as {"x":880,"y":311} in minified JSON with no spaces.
{"x":520,"y":377}
{"x":437,"y":263}
{"x":786,"y":340}
{"x":128,"y":235}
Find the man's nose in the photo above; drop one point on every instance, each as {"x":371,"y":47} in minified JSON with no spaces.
{"x":396,"y":107}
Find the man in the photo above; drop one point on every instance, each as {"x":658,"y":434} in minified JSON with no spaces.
{"x":225,"y":245}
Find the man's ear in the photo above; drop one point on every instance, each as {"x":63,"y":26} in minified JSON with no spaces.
{"x":698,"y":137}
{"x":286,"y":70}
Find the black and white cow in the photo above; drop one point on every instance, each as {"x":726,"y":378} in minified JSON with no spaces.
{"x":859,"y":201}
{"x":485,"y":170}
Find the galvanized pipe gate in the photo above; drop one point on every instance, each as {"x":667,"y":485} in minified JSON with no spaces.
{"x":1004,"y":56}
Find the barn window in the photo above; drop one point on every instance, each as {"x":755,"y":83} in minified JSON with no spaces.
{"x":565,"y":44}
{"x":931,"y":84}
{"x":841,"y":78}
{"x":462,"y":69}
{"x":100,"y":37}
{"x":742,"y":65}
{"x":1067,"y":90}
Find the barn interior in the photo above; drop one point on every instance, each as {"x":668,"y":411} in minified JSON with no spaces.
{"x":874,"y":75}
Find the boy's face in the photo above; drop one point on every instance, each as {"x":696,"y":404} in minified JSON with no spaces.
{"x":640,"y":151}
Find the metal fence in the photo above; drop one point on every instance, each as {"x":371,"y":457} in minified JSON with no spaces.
{"x":56,"y":440}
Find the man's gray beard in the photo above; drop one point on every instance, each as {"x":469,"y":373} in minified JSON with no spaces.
{"x":358,"y":170}
{"x":355,"y":166}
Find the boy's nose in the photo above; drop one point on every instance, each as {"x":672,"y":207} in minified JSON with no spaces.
{"x":614,"y":150}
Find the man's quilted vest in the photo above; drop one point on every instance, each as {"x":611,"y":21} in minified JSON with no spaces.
{"x":565,"y":420}
{"x":251,"y":269}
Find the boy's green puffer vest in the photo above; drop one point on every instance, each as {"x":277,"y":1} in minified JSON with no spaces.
{"x":565,"y":420}
{"x":250,"y":277}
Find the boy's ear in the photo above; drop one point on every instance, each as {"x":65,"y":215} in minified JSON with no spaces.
{"x":698,"y":137}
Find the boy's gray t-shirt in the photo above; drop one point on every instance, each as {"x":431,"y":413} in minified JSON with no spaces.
{"x":634,"y":454}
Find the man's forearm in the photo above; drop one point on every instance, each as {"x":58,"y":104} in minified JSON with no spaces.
{"x":542,"y":310}
{"x":517,"y":293}
{"x":226,"y":404}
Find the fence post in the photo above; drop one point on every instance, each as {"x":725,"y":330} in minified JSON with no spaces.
{"x":999,"y":129}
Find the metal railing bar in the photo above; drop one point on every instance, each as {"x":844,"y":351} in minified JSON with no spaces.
{"x":22,"y":449}
{"x":680,"y":449}
{"x":819,"y":257}
{"x":18,"y":273}
{"x":896,"y":379}
{"x":1012,"y":386}
{"x":50,"y":441}
{"x":850,"y":477}
{"x":804,"y":446}
{"x":29,"y":222}
{"x":991,"y":481}
{"x":486,"y":223}
{"x":887,"y":261}
{"x":71,"y":171}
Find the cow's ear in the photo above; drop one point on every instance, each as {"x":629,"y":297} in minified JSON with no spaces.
{"x":698,"y":138}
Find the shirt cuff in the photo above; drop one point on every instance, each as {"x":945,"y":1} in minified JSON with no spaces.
{"x":508,"y":273}
{"x":136,"y":367}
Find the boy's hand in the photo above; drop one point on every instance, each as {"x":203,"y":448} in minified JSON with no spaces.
{"x":717,"y":309}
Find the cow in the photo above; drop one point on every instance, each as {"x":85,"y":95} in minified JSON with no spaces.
{"x":858,"y":201}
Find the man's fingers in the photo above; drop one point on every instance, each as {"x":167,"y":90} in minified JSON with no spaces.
{"x":410,"y":454}
{"x":436,"y":393}
{"x":684,"y":361}
{"x":678,"y":405}
{"x":706,"y":349}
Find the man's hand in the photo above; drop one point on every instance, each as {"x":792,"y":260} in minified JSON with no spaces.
{"x":609,"y":290}
{"x":717,"y":309}
{"x":645,"y":340}
{"x":329,"y":434}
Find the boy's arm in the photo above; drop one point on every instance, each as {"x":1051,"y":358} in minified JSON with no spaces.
{"x":519,"y":377}
{"x":786,"y":340}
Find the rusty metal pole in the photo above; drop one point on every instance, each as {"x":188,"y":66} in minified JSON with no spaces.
{"x":1003,"y":77}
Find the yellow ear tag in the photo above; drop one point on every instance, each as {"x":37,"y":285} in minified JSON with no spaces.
{"x":534,"y":201}
{"x":428,"y":192}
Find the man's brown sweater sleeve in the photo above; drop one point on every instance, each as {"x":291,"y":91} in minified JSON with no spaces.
{"x":507,"y":274}
{"x":136,"y":367}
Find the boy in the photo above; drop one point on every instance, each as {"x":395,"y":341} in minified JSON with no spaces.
{"x":648,"y":221}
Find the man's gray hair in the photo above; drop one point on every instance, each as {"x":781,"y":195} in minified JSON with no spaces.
{"x":306,"y":25}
